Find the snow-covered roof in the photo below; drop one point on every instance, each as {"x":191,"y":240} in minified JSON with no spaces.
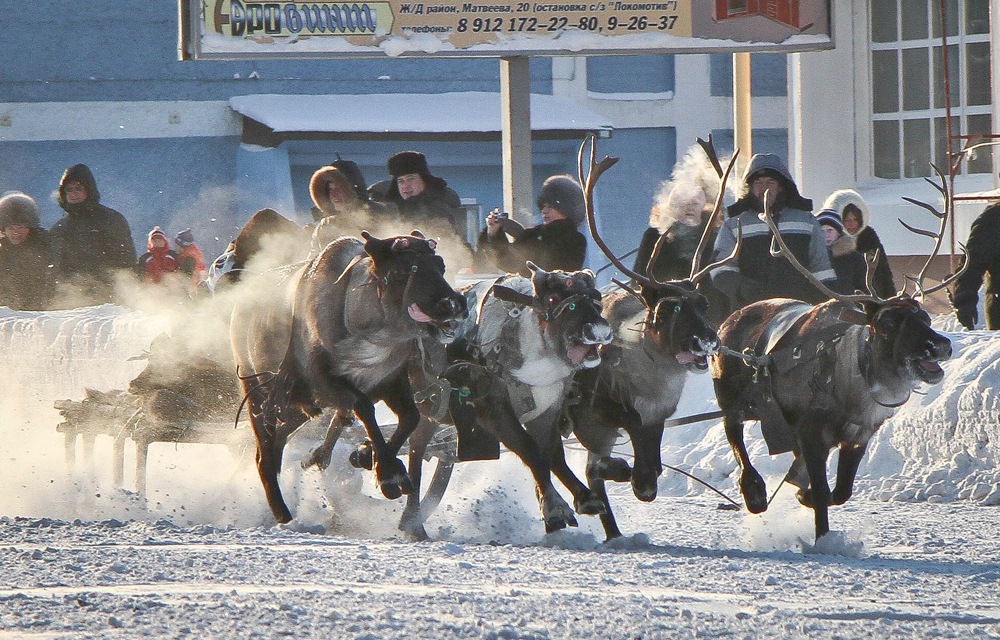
{"x":459,"y":112}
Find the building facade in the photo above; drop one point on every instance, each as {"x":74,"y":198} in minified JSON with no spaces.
{"x":168,"y":147}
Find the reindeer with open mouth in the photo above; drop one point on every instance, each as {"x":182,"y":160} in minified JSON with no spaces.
{"x":825,"y":376}
{"x":513,"y":370}
{"x":338,"y":332}
{"x":661,"y":335}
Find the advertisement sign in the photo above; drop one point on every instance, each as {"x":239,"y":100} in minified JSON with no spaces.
{"x":227,"y":29}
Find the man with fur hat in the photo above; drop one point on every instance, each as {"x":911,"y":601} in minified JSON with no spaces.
{"x":422,"y":200}
{"x":555,"y":244}
{"x":854,"y":212}
{"x":26,"y":269}
{"x":340,"y":195}
{"x":850,"y":265}
{"x":91,"y":242}
{"x":756,"y":274}
{"x":158,"y":260}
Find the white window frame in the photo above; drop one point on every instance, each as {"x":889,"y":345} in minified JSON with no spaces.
{"x":960,"y":112}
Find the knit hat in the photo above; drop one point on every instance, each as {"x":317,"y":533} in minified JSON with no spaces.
{"x":184,"y":238}
{"x":157,"y":232}
{"x":18,"y":208}
{"x":830,"y":218}
{"x":564,"y":194}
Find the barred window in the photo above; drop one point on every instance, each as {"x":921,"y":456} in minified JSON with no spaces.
{"x":908,"y":88}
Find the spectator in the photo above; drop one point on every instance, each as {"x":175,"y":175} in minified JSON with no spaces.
{"x":158,"y":260}
{"x":555,"y":244}
{"x":91,"y":242}
{"x":756,"y":274}
{"x":339,"y":193}
{"x":423,"y":201}
{"x":983,"y":247}
{"x":849,"y":264}
{"x":854,"y":212}
{"x":681,"y":215}
{"x":190,"y":259}
{"x":26,"y":270}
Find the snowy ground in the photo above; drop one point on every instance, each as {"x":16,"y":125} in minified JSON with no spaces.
{"x":912,"y":555}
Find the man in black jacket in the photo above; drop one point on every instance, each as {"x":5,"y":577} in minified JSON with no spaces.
{"x":983,"y":247}
{"x":422,"y":200}
{"x":91,"y":242}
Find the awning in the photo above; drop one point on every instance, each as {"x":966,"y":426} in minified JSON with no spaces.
{"x":270,"y":118}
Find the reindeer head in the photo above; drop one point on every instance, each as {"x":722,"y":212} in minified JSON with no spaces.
{"x":410,"y":275}
{"x":569,"y":306}
{"x":676,"y":311}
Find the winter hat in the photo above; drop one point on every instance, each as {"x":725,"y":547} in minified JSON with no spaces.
{"x":18,"y":208}
{"x":184,"y":238}
{"x":407,"y":162}
{"x":830,"y":218}
{"x":564,"y":193}
{"x":157,"y":233}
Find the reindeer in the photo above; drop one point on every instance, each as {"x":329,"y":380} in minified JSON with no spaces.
{"x":514,"y":368}
{"x":661,"y":335}
{"x":338,"y":334}
{"x":825,"y":376}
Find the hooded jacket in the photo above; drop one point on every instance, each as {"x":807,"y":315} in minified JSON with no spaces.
{"x":756,"y":274}
{"x":361,"y":214}
{"x":90,"y":242}
{"x":865,"y":239}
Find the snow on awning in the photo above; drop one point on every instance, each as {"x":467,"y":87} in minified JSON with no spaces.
{"x":284,"y":117}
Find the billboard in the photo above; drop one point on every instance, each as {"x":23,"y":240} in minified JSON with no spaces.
{"x":234,"y":29}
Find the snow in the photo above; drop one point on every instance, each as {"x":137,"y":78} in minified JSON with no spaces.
{"x":911,"y":555}
{"x":469,"y":111}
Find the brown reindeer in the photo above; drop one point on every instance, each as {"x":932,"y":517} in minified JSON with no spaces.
{"x":661,"y":334}
{"x":825,"y":376}
{"x":338,"y":333}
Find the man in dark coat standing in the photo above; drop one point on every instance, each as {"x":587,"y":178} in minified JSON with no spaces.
{"x":26,"y":278}
{"x":423,"y":201}
{"x":756,"y":274}
{"x":983,"y":247}
{"x":555,"y":244}
{"x":92,"y":242}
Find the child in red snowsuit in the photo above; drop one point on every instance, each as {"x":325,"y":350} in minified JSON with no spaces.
{"x":158,"y":260}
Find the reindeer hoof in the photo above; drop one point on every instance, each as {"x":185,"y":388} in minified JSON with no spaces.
{"x":554,"y":524}
{"x":363,"y":457}
{"x":805,"y":498}
{"x":589,"y":504}
{"x":613,"y":469}
{"x":392,"y":479}
{"x":754,"y":492}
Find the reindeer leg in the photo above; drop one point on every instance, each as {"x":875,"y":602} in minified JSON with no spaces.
{"x":814,"y":454}
{"x":752,"y":486}
{"x":585,"y":502}
{"x":648,"y":465}
{"x":388,"y":476}
{"x":264,"y":427}
{"x":321,"y":456}
{"x":851,"y":456}
{"x":411,"y":523}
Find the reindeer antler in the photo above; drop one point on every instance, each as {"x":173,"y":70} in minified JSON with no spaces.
{"x":589,"y":180}
{"x":942,"y":216}
{"x":783,"y":250}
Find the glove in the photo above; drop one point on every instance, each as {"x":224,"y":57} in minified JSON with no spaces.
{"x":968,"y":315}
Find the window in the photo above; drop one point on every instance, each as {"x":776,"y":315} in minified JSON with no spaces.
{"x":633,"y":77}
{"x":768,"y":74}
{"x":909,"y":128}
